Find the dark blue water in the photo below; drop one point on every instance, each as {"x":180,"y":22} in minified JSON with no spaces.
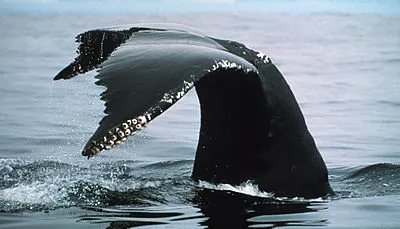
{"x":343,"y":68}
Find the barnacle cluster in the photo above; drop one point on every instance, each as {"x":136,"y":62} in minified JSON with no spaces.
{"x":116,"y":135}
{"x":226,"y":64}
{"x":173,"y":97}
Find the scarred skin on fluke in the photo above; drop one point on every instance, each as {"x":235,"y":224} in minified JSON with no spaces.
{"x":251,"y":125}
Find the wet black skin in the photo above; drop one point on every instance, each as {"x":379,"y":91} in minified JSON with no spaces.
{"x":251,"y":125}
{"x":246,"y":135}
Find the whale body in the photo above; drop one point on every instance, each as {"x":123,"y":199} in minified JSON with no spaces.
{"x":252,"y":128}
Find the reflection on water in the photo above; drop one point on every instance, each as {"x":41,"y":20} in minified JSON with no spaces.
{"x":214,"y":209}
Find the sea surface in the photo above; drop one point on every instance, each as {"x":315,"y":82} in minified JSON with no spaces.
{"x":344,"y":70}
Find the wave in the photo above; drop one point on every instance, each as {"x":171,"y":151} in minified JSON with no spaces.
{"x":380,"y":170}
{"x":44,"y":185}
{"x":389,"y":103}
{"x":47,"y":185}
{"x":371,"y":180}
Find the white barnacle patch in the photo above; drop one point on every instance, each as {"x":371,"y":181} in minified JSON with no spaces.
{"x":142,"y":120}
{"x":168,"y":98}
{"x":117,"y":135}
{"x":263,"y":57}
{"x":96,"y":150}
{"x":121,"y":134}
{"x":173,"y":96}
{"x":226,"y":64}
{"x":188,"y":85}
{"x":179,"y":94}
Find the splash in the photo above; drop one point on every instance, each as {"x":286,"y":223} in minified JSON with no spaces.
{"x":247,"y":188}
{"x":251,"y":189}
{"x":47,"y":185}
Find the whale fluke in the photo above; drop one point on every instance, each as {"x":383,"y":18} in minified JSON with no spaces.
{"x":251,"y":125}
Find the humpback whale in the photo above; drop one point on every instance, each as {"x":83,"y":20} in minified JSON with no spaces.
{"x":252,"y":128}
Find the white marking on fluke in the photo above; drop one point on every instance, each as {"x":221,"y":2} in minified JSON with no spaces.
{"x":172,"y":97}
{"x":226,"y":64}
{"x":263,"y":57}
{"x":117,"y":135}
{"x":142,"y":120}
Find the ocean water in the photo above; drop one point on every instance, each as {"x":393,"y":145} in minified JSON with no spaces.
{"x":343,"y":69}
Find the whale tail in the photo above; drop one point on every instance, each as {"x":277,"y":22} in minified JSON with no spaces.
{"x":251,"y":125}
